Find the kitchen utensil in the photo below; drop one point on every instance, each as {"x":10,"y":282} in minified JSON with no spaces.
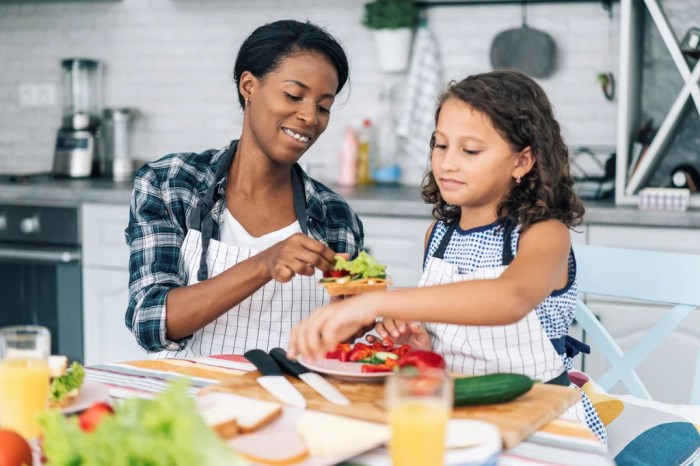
{"x":529,"y":50}
{"x":517,"y":419}
{"x":117,"y":161}
{"x":312,"y":379}
{"x":77,"y":139}
{"x":273,"y":381}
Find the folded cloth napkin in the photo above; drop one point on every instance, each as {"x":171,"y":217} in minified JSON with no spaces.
{"x":423,"y":84}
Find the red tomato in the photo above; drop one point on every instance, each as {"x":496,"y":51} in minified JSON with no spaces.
{"x":376,"y":368}
{"x":91,"y":417}
{"x":14,"y":450}
{"x":420,"y":359}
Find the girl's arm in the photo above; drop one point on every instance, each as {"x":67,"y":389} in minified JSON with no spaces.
{"x":540,"y":267}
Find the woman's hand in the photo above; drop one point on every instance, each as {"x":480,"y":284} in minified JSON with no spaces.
{"x":400,"y":332}
{"x":298,"y":254}
{"x":329,"y":325}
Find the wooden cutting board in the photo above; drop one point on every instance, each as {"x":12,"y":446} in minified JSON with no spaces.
{"x":517,"y":419}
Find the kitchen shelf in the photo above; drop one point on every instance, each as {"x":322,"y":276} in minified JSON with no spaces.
{"x":607,"y":4}
{"x":631,"y":29}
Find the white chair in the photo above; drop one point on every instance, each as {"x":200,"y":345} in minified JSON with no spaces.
{"x":659,"y":277}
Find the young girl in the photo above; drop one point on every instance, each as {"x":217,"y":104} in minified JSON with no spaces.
{"x":499,"y":284}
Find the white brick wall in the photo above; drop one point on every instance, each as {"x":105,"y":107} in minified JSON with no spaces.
{"x":173,"y":59}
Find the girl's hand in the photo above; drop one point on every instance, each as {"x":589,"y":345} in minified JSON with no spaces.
{"x":329,"y":325}
{"x":404,"y":333}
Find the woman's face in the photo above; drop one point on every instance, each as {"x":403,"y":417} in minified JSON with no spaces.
{"x":290,"y":107}
{"x":472,"y":163}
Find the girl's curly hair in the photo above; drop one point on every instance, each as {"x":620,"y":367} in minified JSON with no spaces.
{"x":521,"y":112}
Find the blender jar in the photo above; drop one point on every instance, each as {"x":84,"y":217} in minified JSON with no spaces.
{"x":80,"y":81}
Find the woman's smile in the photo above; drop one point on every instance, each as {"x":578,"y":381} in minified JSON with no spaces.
{"x":300,"y":139}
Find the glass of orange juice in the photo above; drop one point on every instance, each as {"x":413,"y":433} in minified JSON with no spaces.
{"x":24,"y":377}
{"x":419,"y":404}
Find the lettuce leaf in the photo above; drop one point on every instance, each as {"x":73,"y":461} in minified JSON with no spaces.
{"x":72,"y":379}
{"x":363,"y":266}
{"x":165,"y":431}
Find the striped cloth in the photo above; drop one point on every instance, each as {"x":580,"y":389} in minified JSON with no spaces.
{"x":417,"y":115}
{"x":560,"y":442}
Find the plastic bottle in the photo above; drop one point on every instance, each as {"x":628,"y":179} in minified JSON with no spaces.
{"x":386,"y":169}
{"x":364,"y":167}
{"x":347,"y":161}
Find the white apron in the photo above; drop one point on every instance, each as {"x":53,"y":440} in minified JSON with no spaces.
{"x":521,"y":348}
{"x":265,"y":319}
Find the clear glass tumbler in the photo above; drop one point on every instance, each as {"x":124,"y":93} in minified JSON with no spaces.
{"x":24,"y":377}
{"x":419,"y":404}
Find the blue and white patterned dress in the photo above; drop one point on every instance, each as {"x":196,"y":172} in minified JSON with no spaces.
{"x":525,"y":347}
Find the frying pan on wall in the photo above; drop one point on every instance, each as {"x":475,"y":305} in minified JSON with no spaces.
{"x":529,"y":50}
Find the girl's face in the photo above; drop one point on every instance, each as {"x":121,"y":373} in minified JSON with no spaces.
{"x":473,"y":164}
{"x":289,"y":107}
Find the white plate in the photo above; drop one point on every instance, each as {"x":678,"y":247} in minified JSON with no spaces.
{"x":91,"y":392}
{"x":350,"y":371}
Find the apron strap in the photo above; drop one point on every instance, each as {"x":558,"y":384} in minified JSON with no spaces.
{"x":442,"y":247}
{"x":200,"y":217}
{"x":299,"y":194}
{"x":507,"y":255}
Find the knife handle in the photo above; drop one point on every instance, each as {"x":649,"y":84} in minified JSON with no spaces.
{"x":263,"y":362}
{"x":293,"y":367}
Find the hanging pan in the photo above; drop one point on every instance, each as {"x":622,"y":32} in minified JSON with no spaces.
{"x":529,"y":50}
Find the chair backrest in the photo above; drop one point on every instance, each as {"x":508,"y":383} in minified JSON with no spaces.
{"x":660,"y":277}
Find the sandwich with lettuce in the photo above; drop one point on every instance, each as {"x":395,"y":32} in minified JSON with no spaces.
{"x":65,"y":381}
{"x":360,"y":275}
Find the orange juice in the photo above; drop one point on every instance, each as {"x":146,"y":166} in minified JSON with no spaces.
{"x":418,"y":432}
{"x":24,"y":391}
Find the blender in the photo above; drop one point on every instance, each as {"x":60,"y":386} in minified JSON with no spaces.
{"x":77,"y":139}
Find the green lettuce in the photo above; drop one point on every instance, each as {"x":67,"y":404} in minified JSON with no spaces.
{"x":72,"y":379}
{"x":165,"y":431}
{"x":363,"y":266}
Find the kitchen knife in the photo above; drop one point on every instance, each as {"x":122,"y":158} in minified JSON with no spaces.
{"x":273,"y":381}
{"x":312,"y":379}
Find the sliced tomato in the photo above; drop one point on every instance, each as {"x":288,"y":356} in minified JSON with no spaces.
{"x":401,"y":350}
{"x":376,"y":368}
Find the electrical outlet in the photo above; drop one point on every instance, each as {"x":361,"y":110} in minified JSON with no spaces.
{"x":37,"y":95}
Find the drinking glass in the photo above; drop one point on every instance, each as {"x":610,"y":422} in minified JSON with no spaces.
{"x":24,"y":377}
{"x":419,"y":404}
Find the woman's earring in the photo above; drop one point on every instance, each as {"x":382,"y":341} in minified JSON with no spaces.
{"x":247,"y":102}
{"x":518,"y":180}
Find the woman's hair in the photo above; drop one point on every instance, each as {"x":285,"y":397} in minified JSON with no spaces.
{"x":266,"y":47}
{"x":520,"y":111}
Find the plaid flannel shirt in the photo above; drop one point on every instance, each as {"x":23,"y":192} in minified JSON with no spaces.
{"x":165,"y":191}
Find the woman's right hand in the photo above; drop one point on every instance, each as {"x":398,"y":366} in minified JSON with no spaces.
{"x":400,"y":332}
{"x":298,"y":254}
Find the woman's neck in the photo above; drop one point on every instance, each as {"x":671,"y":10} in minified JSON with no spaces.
{"x":253,"y":174}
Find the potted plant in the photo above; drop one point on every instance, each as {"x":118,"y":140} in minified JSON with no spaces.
{"x":392,"y":23}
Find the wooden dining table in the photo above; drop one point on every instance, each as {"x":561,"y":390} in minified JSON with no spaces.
{"x":558,"y":442}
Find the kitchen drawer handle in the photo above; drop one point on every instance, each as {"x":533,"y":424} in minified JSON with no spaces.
{"x":42,"y":256}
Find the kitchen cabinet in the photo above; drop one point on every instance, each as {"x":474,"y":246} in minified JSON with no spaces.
{"x":671,"y":100}
{"x":105,"y":285}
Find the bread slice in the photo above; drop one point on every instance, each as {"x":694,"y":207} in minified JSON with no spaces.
{"x":58,"y":365}
{"x":232,"y":415}
{"x":274,"y":448}
{"x":253,"y":414}
{"x":352,"y":288}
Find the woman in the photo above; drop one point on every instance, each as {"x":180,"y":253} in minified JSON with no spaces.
{"x":227,"y":245}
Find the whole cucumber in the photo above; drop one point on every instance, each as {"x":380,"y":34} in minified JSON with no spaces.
{"x":489,"y":389}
